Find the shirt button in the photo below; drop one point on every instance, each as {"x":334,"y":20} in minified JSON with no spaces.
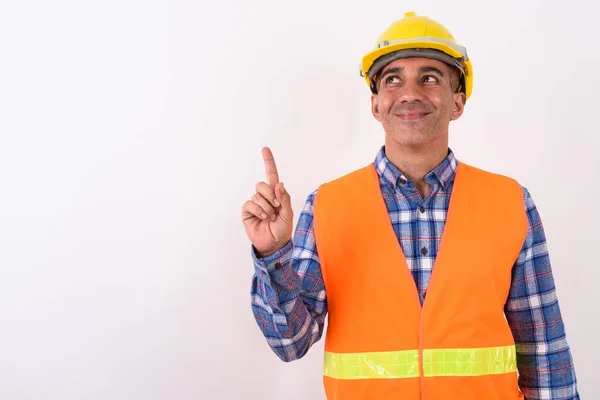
{"x":391,"y":185}
{"x":422,"y":209}
{"x":278,"y":265}
{"x":403,"y":181}
{"x":424,"y":250}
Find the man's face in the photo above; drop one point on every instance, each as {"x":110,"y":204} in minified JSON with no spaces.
{"x":415,"y":101}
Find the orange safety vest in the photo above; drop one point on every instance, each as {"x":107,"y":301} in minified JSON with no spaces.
{"x":380,"y":343}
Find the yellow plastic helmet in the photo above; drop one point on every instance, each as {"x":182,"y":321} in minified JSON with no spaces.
{"x":416,"y":36}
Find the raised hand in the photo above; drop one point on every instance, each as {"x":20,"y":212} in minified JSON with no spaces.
{"x":268,"y":215}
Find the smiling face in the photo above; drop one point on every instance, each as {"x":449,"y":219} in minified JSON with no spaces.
{"x":416,"y":100}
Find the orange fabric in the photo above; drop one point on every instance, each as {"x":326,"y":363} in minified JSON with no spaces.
{"x":372,"y":299}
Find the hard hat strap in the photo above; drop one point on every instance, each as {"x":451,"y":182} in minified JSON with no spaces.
{"x":408,"y":53}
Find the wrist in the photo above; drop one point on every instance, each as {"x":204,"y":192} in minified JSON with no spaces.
{"x":267,"y":253}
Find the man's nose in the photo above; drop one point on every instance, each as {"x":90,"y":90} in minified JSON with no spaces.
{"x":411,"y":91}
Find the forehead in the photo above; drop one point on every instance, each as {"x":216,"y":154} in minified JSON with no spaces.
{"x":415,"y":63}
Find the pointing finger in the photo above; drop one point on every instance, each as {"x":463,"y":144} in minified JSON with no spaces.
{"x":270,"y":167}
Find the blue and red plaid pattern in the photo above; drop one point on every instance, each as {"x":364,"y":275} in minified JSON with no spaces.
{"x":290,"y":305}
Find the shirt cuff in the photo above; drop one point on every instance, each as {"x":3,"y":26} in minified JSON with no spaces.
{"x":276,"y":261}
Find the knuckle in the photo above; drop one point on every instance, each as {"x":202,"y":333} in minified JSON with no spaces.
{"x":260,"y":186}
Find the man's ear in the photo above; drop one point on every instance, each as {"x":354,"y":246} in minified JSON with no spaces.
{"x":375,"y":107}
{"x":459,"y":105}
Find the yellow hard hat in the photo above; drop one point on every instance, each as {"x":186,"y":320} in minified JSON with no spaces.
{"x":416,"y":36}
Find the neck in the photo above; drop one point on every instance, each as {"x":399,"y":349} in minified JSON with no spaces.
{"x":416,"y":162}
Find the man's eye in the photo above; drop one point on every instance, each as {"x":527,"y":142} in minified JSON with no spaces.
{"x":391,"y":79}
{"x":430,"y":78}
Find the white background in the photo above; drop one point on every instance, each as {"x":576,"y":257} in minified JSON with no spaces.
{"x":130,"y":136}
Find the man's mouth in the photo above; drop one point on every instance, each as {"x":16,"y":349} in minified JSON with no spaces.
{"x":411,"y":115}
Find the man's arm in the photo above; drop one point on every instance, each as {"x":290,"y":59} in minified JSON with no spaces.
{"x":288,"y":293}
{"x":544,"y":359}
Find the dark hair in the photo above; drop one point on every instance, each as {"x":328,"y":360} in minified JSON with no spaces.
{"x":455,"y":80}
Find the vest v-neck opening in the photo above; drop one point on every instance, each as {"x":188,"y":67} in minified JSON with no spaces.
{"x":449,"y":217}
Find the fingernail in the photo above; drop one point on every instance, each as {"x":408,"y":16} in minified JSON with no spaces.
{"x":276,"y":202}
{"x":263,"y":215}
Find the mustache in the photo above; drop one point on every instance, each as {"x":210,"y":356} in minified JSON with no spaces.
{"x":412,"y":107}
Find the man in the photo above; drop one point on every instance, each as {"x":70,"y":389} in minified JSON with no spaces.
{"x":434,"y":274}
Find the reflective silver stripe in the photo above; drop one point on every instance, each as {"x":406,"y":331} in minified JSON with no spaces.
{"x":460,"y":49}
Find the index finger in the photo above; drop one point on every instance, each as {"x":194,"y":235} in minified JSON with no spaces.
{"x":270,"y":167}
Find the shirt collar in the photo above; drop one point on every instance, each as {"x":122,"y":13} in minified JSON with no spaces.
{"x":444,"y":172}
